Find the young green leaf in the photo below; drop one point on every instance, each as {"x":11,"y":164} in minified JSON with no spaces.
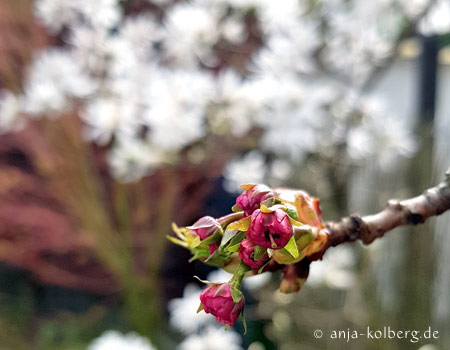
{"x":292,"y":248}
{"x":241,"y":225}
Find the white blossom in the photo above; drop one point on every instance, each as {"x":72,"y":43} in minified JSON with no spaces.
{"x":212,"y":338}
{"x":191,"y":33}
{"x":132,"y":158}
{"x":250,"y":168}
{"x":336,"y":270}
{"x":380,"y":136}
{"x":107,"y":115}
{"x":55,"y":14}
{"x":113,"y":340}
{"x":235,"y":108}
{"x":52,"y":80}
{"x":183,"y":312}
{"x":437,"y":20}
{"x":176,"y":115}
{"x":10,"y":112}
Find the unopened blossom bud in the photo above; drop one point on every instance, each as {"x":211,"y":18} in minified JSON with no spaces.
{"x":217,"y":300}
{"x":294,"y":276}
{"x":205,"y":227}
{"x":270,"y":230}
{"x":251,"y":199}
{"x":247,"y":254}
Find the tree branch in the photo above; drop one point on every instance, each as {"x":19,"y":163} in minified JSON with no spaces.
{"x":417,"y":210}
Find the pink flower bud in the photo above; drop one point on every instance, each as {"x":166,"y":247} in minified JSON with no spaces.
{"x":216,"y":300}
{"x":251,"y":199}
{"x":246,"y":253}
{"x":270,"y":230}
{"x":205,"y":227}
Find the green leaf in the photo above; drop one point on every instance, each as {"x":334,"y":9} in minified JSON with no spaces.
{"x":304,"y":240}
{"x":215,"y":237}
{"x":266,"y":210}
{"x":234,"y":248}
{"x":268,"y":202}
{"x":237,"y":238}
{"x":294,"y":222}
{"x":259,"y":252}
{"x":236,"y":295}
{"x":236,"y":209}
{"x":236,"y":242}
{"x":292,"y":248}
{"x":291,"y":211}
{"x":227,"y":236}
{"x":241,"y":225}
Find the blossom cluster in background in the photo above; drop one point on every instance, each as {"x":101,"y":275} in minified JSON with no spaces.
{"x":150,"y":84}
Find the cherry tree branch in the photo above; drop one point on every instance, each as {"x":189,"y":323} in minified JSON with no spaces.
{"x":413,"y":211}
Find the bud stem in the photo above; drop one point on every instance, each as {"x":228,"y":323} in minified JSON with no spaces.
{"x":241,"y":270}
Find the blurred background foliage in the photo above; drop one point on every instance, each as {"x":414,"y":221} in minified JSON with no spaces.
{"x":120,"y":117}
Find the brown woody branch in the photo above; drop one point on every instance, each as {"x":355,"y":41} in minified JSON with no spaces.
{"x":413,"y":211}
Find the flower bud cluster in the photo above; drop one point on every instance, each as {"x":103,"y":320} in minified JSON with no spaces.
{"x":280,"y":226}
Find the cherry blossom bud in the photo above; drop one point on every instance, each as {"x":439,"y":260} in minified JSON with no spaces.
{"x":270,"y":230}
{"x":205,"y":227}
{"x":251,"y":199}
{"x":294,"y":276}
{"x":247,"y":254}
{"x":217,"y":300}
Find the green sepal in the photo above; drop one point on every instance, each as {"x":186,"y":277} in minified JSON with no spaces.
{"x":291,"y":248}
{"x":227,"y":327}
{"x":258,"y":252}
{"x":177,"y":241}
{"x":294,"y":222}
{"x":244,"y":323}
{"x":236,"y":295}
{"x":199,"y":253}
{"x":200,"y":308}
{"x":241,"y":225}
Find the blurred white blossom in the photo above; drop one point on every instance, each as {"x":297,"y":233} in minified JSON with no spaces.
{"x":250,"y":168}
{"x":148,"y":87}
{"x":10,"y":117}
{"x":251,"y":282}
{"x":212,"y":338}
{"x":52,"y":79}
{"x":437,"y":20}
{"x":183,"y":312}
{"x":113,"y":340}
{"x":336,"y":270}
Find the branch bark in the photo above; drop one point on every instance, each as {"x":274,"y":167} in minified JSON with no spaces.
{"x":413,"y":211}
